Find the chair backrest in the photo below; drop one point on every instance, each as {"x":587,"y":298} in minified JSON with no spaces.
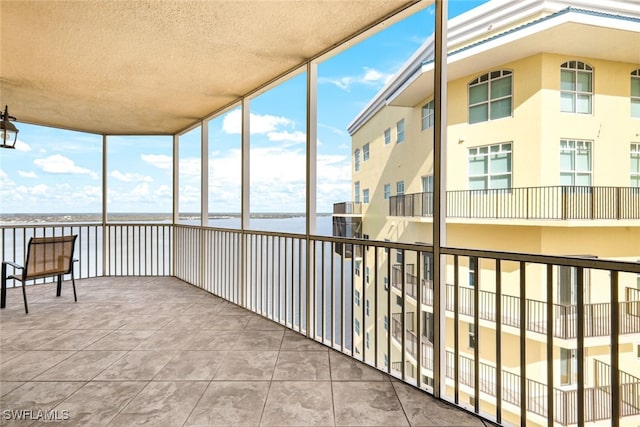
{"x":49,"y":256}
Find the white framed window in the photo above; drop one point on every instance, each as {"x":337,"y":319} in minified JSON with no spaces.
{"x":356,"y":192}
{"x":356,"y":160}
{"x":400,"y":188}
{"x":387,"y":136}
{"x":427,"y":115}
{"x":365,"y":152}
{"x":357,"y":297}
{"x":399,"y":256}
{"x":367,"y":339}
{"x":356,"y":267}
{"x":386,"y":324}
{"x":490,"y":167}
{"x":568,"y":366}
{"x":490,"y":96}
{"x":387,"y":191}
{"x":386,"y":360}
{"x":357,"y":326}
{"x":575,"y":162}
{"x":366,"y":276}
{"x":473,"y":263}
{"x":400,"y":131}
{"x":386,"y":283}
{"x":365,"y":195}
{"x":576,"y":87}
{"x":635,"y":164}
{"x":366,"y":305}
{"x":635,"y":94}
{"x":427,"y":184}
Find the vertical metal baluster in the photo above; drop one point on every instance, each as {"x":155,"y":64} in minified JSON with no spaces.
{"x":375,"y":306}
{"x":363,"y":299}
{"x":498,"y":315}
{"x":403,"y":318}
{"x":333,"y":300}
{"x":323,"y":302}
{"x":580,"y":348}
{"x":615,"y":342}
{"x":456,"y":332}
{"x":476,"y":321}
{"x":418,"y":319}
{"x":550,"y":362}
{"x":389,"y":319}
{"x":523,"y":341}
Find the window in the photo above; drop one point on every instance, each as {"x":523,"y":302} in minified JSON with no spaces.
{"x":357,"y":326}
{"x":427,"y":115}
{"x":387,"y":191}
{"x":356,"y":191}
{"x":387,"y":136}
{"x":400,"y":188}
{"x":490,"y":167}
{"x":427,"y":326}
{"x":367,"y":339}
{"x":386,"y":323}
{"x":399,"y":300}
{"x":400,"y":131}
{"x":472,"y":336}
{"x":490,"y":96}
{"x":365,"y":152}
{"x":357,"y":298}
{"x":366,"y":276}
{"x":576,"y":87}
{"x":575,"y":162}
{"x":568,"y":365}
{"x":386,"y":250}
{"x":386,"y":360}
{"x":473,"y":265}
{"x":365,"y":195}
{"x":635,"y":94}
{"x":356,"y":159}
{"x":356,"y":267}
{"x":399,"y":256}
{"x":635,"y":164}
{"x":427,"y":265}
{"x":427,"y":184}
{"x":367,"y":307}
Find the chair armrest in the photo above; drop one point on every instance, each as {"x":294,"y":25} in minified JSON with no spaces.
{"x":13,"y":264}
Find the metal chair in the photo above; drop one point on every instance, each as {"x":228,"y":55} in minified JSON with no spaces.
{"x":46,"y":257}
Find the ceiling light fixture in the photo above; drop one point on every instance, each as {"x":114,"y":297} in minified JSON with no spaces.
{"x":7,"y":130}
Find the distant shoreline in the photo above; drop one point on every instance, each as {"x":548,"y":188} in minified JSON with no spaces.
{"x":29,"y":218}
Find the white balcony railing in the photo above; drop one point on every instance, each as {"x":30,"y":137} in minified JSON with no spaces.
{"x":301,"y":282}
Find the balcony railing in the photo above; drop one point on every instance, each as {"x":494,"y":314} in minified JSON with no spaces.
{"x":597,"y":317}
{"x":347,"y":208}
{"x":541,"y":203}
{"x":299,"y":281}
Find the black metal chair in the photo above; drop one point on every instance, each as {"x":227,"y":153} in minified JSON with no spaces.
{"x":46,"y":257}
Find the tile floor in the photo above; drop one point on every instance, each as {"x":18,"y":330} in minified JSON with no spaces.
{"x":160,"y":352}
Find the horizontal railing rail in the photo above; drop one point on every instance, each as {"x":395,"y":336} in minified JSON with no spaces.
{"x":541,"y":203}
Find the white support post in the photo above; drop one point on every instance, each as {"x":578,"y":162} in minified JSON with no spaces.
{"x":105,"y":248}
{"x":246,"y":188}
{"x":312,"y":165}
{"x":439,"y":195}
{"x":204,"y":173}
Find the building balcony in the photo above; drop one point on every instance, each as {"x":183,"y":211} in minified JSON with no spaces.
{"x":292,"y":290}
{"x":347,"y":208}
{"x":597,"y":316}
{"x":527,"y":203}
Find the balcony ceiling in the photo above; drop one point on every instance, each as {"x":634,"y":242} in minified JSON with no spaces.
{"x":157,"y":67}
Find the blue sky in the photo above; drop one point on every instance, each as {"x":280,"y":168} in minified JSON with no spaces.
{"x":56,"y":171}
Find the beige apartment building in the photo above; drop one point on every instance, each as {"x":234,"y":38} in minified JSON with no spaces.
{"x":542,"y":157}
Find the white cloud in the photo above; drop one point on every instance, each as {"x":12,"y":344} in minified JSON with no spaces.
{"x":58,"y":164}
{"x":278,"y":180}
{"x":24,"y":174}
{"x":160,"y":161}
{"x":130,"y":177}
{"x":369,"y":77}
{"x":286,"y":136}
{"x":22,"y":146}
{"x":259,"y":123}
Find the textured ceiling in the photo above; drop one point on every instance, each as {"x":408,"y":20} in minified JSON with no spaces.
{"x":158,"y":66}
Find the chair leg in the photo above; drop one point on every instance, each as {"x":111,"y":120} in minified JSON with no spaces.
{"x":73,"y":281}
{"x":24,"y":295}
{"x":59,"y":290}
{"x":3,"y":290}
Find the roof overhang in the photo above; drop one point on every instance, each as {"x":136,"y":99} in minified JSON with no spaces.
{"x":158,"y":67}
{"x":573,"y":33}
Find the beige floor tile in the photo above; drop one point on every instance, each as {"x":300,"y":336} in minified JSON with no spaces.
{"x":230,"y":403}
{"x":367,"y":404}
{"x":296,"y":403}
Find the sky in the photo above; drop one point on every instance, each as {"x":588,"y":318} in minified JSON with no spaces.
{"x":58,"y":171}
